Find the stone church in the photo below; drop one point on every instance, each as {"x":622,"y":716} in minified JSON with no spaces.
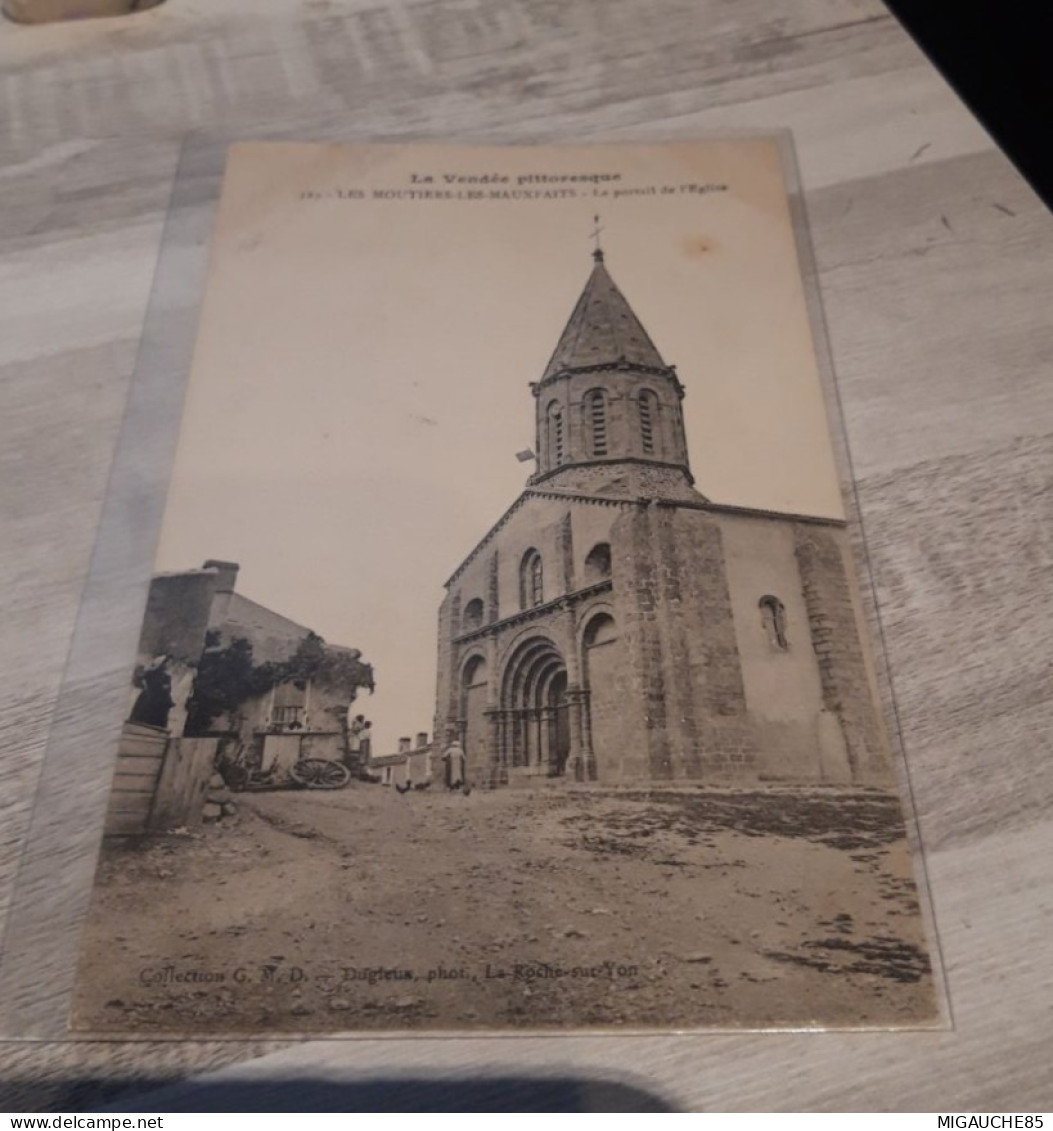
{"x":615,"y":625}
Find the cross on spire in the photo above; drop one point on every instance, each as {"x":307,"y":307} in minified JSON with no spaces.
{"x":597,"y":252}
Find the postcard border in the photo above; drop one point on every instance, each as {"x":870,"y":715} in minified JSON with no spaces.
{"x":43,"y":925}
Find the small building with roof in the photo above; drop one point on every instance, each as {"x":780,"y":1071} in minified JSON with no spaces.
{"x":239,"y":671}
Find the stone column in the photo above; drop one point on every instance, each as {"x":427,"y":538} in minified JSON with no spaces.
{"x":492,"y":712}
{"x":581,"y":762}
{"x":540,"y":744}
{"x":569,"y":626}
{"x":547,"y":760}
{"x":508,"y":723}
{"x":493,"y":595}
{"x":517,"y":736}
{"x":498,"y":770}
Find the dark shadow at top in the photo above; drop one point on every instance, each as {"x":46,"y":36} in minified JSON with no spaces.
{"x":413,"y":1094}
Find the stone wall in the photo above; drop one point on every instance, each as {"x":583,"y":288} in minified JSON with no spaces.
{"x":674,"y":611}
{"x":834,"y":620}
{"x":539,"y":524}
{"x":637,"y":600}
{"x":177,"y":615}
{"x":784,"y":694}
{"x":625,"y":480}
{"x":175,"y":624}
{"x":699,"y":690}
{"x":493,"y":593}
{"x":622,"y":388}
{"x":445,"y":705}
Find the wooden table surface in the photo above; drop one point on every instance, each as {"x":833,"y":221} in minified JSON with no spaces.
{"x":935,"y":264}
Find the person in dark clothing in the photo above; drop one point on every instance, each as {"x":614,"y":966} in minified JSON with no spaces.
{"x":154,"y":700}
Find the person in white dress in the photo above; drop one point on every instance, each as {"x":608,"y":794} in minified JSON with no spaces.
{"x":453,"y":762}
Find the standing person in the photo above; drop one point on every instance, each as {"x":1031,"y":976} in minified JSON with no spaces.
{"x":365,"y":739}
{"x":354,"y":743}
{"x":453,"y":764}
{"x":154,"y":701}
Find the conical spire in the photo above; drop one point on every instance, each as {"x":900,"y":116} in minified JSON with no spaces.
{"x":603,"y":330}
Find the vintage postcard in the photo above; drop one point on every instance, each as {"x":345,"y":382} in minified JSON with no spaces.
{"x":504,"y":665}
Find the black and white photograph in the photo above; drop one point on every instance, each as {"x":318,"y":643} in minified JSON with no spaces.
{"x":505,"y":666}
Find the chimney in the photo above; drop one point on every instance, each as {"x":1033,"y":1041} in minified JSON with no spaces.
{"x":422,"y":739}
{"x":227,"y":574}
{"x":405,"y":745}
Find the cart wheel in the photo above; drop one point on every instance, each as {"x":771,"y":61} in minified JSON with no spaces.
{"x":320,"y":773}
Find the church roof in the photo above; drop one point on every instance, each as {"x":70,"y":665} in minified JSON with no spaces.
{"x":603,"y":329}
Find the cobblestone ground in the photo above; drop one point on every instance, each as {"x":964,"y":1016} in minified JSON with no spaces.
{"x":555,"y":907}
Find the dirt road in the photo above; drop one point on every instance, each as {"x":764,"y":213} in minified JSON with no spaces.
{"x":554,"y":907}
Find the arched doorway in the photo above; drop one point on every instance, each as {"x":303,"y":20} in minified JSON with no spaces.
{"x":534,"y":709}
{"x":474,"y":684}
{"x":604,"y":680}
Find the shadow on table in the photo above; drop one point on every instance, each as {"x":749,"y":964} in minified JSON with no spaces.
{"x":409,"y":1094}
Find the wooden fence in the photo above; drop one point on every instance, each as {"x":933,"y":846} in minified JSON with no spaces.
{"x":160,"y":781}
{"x":139,"y":759}
{"x":180,"y":797}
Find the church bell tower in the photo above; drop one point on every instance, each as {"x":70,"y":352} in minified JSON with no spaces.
{"x":607,"y":400}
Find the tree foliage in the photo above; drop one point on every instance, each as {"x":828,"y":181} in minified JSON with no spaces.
{"x":227,"y":676}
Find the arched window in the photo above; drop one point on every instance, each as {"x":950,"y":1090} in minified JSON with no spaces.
{"x":773,"y":617}
{"x":531,"y":581}
{"x":648,"y":420}
{"x":537,"y":582}
{"x":600,"y":630}
{"x":473,"y":614}
{"x":596,"y":421}
{"x":598,"y":563}
{"x":474,"y":674}
{"x":556,"y":445}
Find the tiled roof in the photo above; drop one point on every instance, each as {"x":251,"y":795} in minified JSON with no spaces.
{"x":603,"y":329}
